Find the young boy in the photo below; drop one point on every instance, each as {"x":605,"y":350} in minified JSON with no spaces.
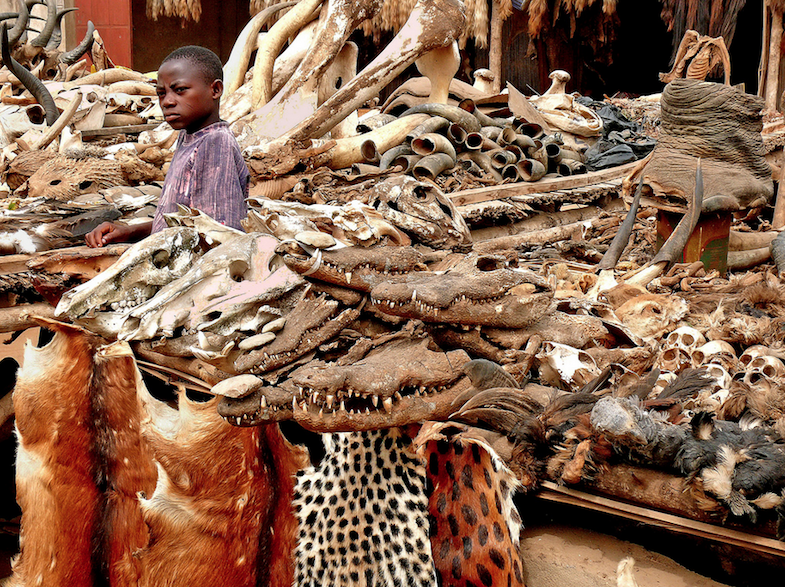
{"x":207,"y":171}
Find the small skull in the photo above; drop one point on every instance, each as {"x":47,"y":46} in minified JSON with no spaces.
{"x":753,"y":352}
{"x":763,"y":370}
{"x":685,"y":337}
{"x":674,"y":359}
{"x":716,"y":352}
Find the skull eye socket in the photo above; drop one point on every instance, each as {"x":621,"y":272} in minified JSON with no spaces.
{"x":55,"y":182}
{"x":198,"y":396}
{"x":422,"y":194}
{"x":160,"y":259}
{"x":83,"y":185}
{"x":237,"y":270}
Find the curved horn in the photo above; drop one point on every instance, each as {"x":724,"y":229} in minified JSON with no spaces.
{"x":49,"y":28}
{"x":57,"y":34}
{"x":32,"y":83}
{"x":237,"y":64}
{"x":20,"y":25}
{"x":72,"y":56}
{"x":619,"y":242}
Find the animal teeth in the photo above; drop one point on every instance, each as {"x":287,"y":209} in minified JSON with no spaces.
{"x":321,"y":412}
{"x":304,"y":406}
{"x":414,"y":295}
{"x":398,"y":395}
{"x":375,"y":401}
{"x":330,"y":399}
{"x":348,"y":277}
{"x":388,"y":403}
{"x":343,"y":406}
{"x":294,"y":404}
{"x":314,"y":397}
{"x":263,"y":403}
{"x":238,"y":421}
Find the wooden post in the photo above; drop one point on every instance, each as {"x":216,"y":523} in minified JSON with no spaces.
{"x":495,"y":50}
{"x":775,"y":41}
{"x":778,"y":219}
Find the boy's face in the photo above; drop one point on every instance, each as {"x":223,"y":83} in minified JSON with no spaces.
{"x":187,"y":100}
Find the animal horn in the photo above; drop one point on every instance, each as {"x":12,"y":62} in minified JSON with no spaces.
{"x":270,"y":46}
{"x":612,"y":255}
{"x":57,"y":34}
{"x":20,"y":26}
{"x":72,"y":56}
{"x":49,"y":28}
{"x":431,"y":24}
{"x":32,"y":83}
{"x":237,"y":64}
{"x":339,"y":22}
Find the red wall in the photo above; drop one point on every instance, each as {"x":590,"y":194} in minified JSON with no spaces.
{"x":112,"y":20}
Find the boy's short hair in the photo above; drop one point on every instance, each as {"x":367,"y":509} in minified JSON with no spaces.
{"x":205,"y":60}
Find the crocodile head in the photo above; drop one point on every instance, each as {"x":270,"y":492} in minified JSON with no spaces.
{"x":481,"y":291}
{"x":395,"y":380}
{"x":421,"y":210}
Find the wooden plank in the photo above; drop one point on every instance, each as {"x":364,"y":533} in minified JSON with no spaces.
{"x":508,"y":190}
{"x":117,"y":130}
{"x":553,"y":492}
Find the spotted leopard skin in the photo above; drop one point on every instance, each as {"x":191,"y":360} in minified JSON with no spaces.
{"x":363,"y":514}
{"x":475,"y":526}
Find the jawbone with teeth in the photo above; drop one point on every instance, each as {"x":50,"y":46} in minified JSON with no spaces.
{"x":409,"y":383}
{"x":103,"y":303}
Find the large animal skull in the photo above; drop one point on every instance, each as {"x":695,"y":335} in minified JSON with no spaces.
{"x":422,"y":210}
{"x":226,"y":282}
{"x":134,"y":278}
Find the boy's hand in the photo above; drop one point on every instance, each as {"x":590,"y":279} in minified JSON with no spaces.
{"x":107,"y":233}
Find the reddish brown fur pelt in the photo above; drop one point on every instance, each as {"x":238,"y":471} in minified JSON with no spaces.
{"x":475,"y":527}
{"x":213,"y":501}
{"x":55,"y":465}
{"x":125,"y":463}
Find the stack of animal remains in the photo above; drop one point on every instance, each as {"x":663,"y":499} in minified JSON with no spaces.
{"x":441,"y":372}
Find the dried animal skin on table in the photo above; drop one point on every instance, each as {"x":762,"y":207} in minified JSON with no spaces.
{"x":362,"y":514}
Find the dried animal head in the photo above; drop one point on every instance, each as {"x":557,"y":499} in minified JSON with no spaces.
{"x":133,"y":279}
{"x":421,"y":210}
{"x":223,"y":288}
{"x":67,"y":177}
{"x":651,"y":314}
{"x":561,"y":363}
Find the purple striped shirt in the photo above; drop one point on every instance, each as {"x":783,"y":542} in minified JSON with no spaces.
{"x":207,"y":172}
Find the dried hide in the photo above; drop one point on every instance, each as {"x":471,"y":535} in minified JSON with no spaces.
{"x":212,"y":513}
{"x":475,"y":526}
{"x":719,"y":125}
{"x":25,"y":165}
{"x":651,"y":314}
{"x":362,"y":514}
{"x":71,"y":390}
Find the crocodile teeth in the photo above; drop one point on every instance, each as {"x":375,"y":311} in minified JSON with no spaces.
{"x":238,"y":421}
{"x":314,"y":397}
{"x":304,"y":406}
{"x":414,"y":295}
{"x":375,"y":401}
{"x":398,"y":395}
{"x":294,"y":404}
{"x":348,"y":277}
{"x":388,"y":403}
{"x":263,"y":403}
{"x":330,"y":399}
{"x":343,"y":406}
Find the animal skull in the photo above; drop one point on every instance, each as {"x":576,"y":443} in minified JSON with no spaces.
{"x":687,"y":338}
{"x":717,"y":352}
{"x":752,"y":353}
{"x":565,"y":363}
{"x":134,"y":278}
{"x":422,"y":210}
{"x":674,"y":359}
{"x":229,"y":280}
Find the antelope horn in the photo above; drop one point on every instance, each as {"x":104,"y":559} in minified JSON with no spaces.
{"x":20,"y":26}
{"x":431,"y":24}
{"x":271,"y":44}
{"x":287,"y":62}
{"x":452,"y":113}
{"x":51,"y":21}
{"x":676,"y":242}
{"x":32,"y":83}
{"x":57,"y":34}
{"x":72,"y":56}
{"x":619,"y":242}
{"x":237,"y":64}
{"x":339,"y":22}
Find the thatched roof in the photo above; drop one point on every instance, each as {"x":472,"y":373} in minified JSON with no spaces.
{"x":185,"y":9}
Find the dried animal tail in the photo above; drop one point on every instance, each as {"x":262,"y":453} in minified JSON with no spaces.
{"x":32,"y":83}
